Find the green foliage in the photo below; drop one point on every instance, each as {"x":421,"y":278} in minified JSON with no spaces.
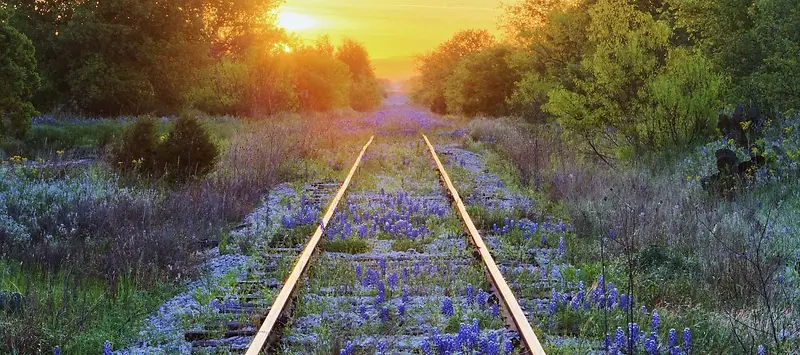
{"x":604,"y":108}
{"x":365,"y":93}
{"x":220,"y":88}
{"x":405,"y":244}
{"x":188,"y":151}
{"x":436,"y":66}
{"x":684,"y":101}
{"x":19,"y":79}
{"x":136,"y":151}
{"x":322,"y":81}
{"x":755,"y":42}
{"x":481,"y":82}
{"x":131,"y":57}
{"x":350,"y":245}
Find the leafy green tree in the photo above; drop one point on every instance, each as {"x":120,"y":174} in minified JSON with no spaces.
{"x":553,"y":58}
{"x":436,"y":66}
{"x":322,"y":81}
{"x":128,"y":57}
{"x":481,"y":82}
{"x":755,"y":42}
{"x":604,"y":108}
{"x":365,"y":92}
{"x":684,"y":101}
{"x":18,"y":78}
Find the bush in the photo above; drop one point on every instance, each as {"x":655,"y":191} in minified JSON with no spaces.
{"x":20,"y":80}
{"x":188,"y":152}
{"x":136,"y":151}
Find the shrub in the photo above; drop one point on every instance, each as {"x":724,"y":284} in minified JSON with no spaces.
{"x":136,"y":151}
{"x":188,"y":152}
{"x":20,"y":80}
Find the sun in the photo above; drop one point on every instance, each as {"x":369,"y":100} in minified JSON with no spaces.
{"x":293,"y":21}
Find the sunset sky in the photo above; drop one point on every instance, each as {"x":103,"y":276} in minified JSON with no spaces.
{"x":394,"y":31}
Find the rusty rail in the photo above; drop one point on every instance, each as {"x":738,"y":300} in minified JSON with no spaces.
{"x":290,"y":285}
{"x":518,"y":319}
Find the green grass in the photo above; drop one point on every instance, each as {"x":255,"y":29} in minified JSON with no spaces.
{"x":76,"y":313}
{"x":350,"y":245}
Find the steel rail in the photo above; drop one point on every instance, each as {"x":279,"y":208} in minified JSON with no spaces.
{"x":520,"y":322}
{"x":290,"y":285}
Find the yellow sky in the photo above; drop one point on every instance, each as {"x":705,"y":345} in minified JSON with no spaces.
{"x":394,"y":31}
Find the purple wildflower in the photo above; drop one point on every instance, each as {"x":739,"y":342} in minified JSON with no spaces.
{"x":447,"y":307}
{"x":656,"y":322}
{"x":687,"y":339}
{"x":672,"y":339}
{"x":107,"y":348}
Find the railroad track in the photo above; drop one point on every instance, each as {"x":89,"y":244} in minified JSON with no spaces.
{"x":377,"y":296}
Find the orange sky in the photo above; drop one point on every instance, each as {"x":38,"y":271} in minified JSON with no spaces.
{"x":394,"y":31}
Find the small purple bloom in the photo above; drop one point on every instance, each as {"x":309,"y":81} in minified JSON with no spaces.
{"x":447,"y":307}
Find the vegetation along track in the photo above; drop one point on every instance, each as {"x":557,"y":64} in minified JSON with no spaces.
{"x":396,"y":276}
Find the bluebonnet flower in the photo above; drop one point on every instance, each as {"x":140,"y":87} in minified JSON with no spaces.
{"x":56,"y":351}
{"x":392,"y":280}
{"x":347,"y":350}
{"x":470,"y":296}
{"x":544,"y":238}
{"x":359,"y":272}
{"x":482,"y":297}
{"x":107,"y":348}
{"x":761,"y":350}
{"x":495,"y":309}
{"x":383,"y":265}
{"x":381,"y":348}
{"x":405,"y":275}
{"x":781,"y":279}
{"x":672,"y":339}
{"x":362,"y":310}
{"x":656,"y":322}
{"x":607,"y":343}
{"x":619,"y":339}
{"x":384,"y":314}
{"x":509,"y":346}
{"x":401,"y":309}
{"x":623,"y":301}
{"x":405,"y":295}
{"x":675,"y":350}
{"x":381,"y":293}
{"x":633,"y":334}
{"x":493,"y":348}
{"x":561,"y":249}
{"x":650,"y":346}
{"x":447,"y":307}
{"x":426,"y":349}
{"x":644,"y":309}
{"x":687,"y":339}
{"x":552,"y":307}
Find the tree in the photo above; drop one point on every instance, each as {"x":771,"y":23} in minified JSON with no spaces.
{"x":18,"y":78}
{"x":436,"y":66}
{"x":322,"y":81}
{"x":481,"y":82}
{"x":684,"y":101}
{"x":756,"y":43}
{"x":365,"y":92}
{"x":603,"y":108}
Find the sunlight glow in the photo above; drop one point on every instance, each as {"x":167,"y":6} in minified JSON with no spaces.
{"x":293,"y":21}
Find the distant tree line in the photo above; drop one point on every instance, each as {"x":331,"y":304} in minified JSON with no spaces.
{"x":122,"y":57}
{"x":621,"y":75}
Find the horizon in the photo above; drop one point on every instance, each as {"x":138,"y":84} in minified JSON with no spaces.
{"x":393,"y":33}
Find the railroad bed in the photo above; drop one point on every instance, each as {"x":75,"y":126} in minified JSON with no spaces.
{"x":398,"y":273}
